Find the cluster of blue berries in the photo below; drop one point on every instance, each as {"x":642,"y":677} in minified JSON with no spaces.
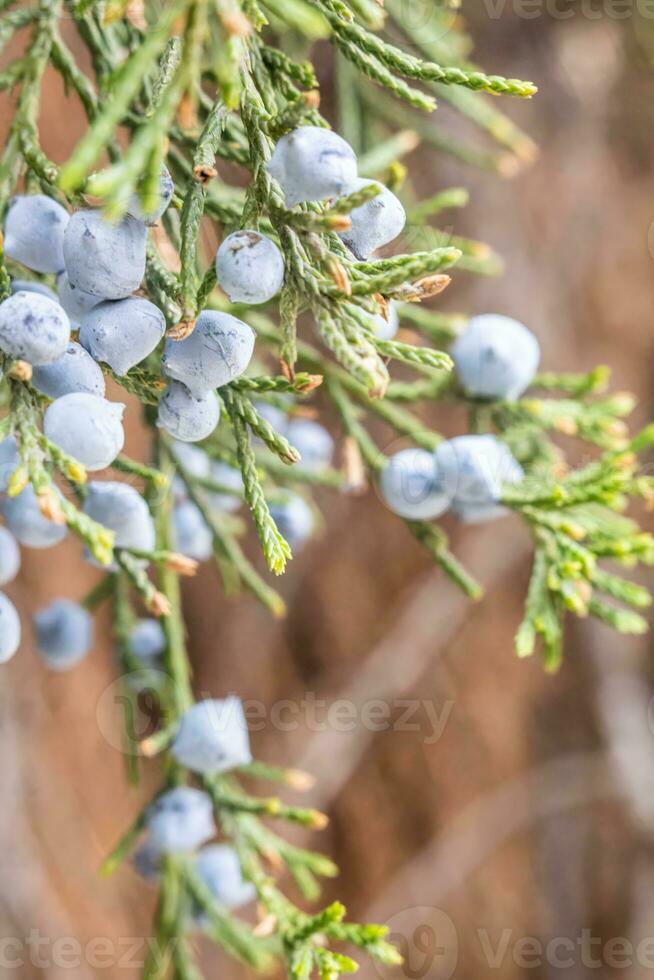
{"x":495,"y":358}
{"x":99,"y":265}
{"x":212,"y":738}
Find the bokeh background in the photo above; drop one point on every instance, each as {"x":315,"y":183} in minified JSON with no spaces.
{"x":508,"y":803}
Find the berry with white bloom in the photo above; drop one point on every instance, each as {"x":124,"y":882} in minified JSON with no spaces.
{"x":74,"y":371}
{"x":312,"y":164}
{"x":9,"y":461}
{"x":191,"y":534}
{"x":218,"y":351}
{"x":472,"y":469}
{"x":75,"y":301}
{"x":374,"y":223}
{"x":87,"y":427}
{"x":411,"y":488}
{"x":9,"y":556}
{"x":147,"y":861}
{"x":180,"y":820}
{"x":213,"y":737}
{"x":64,"y":633}
{"x":105,"y":258}
{"x":220,"y":869}
{"x":187,"y":417}
{"x":34,"y":232}
{"x":496,"y":357}
{"x":294,"y":519}
{"x":10,"y":630}
{"x":385,"y":329}
{"x":31,"y":286}
{"x":230,"y":477}
{"x":249,"y":267}
{"x":164,"y":197}
{"x":147,"y":639}
{"x":27,"y":523}
{"x":122,"y":333}
{"x":313,"y":442}
{"x":123,"y":510}
{"x":33,"y":328}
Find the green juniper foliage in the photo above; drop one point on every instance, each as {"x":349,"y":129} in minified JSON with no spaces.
{"x":195,"y":83}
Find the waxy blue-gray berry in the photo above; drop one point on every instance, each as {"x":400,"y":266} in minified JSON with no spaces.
{"x":213,"y":737}
{"x":64,"y":633}
{"x":31,"y":286}
{"x":230,"y":477}
{"x":496,"y":357}
{"x":147,"y":639}
{"x":9,"y":461}
{"x":104,"y":258}
{"x":375,"y":223}
{"x":385,"y":329}
{"x":123,"y":510}
{"x":220,"y":869}
{"x":10,"y":630}
{"x":249,"y":267}
{"x":410,"y":486}
{"x":312,"y":164}
{"x":34,"y":232}
{"x":180,"y":820}
{"x":218,"y":351}
{"x":75,"y":301}
{"x":27,"y":523}
{"x":87,"y":427}
{"x":75,"y":371}
{"x":122,"y":333}
{"x":294,"y":519}
{"x":146,"y":861}
{"x":164,"y":197}
{"x":472,"y":470}
{"x":9,"y":556}
{"x":33,"y":328}
{"x":313,"y":442}
{"x":191,"y":534}
{"x":185,"y":416}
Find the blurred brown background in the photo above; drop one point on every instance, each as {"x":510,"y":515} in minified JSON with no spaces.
{"x":509,"y":804}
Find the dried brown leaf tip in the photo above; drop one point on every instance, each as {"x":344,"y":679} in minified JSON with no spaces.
{"x":135,"y":14}
{"x":236,"y":24}
{"x":312,"y":98}
{"x":415,"y":292}
{"x":159,"y":604}
{"x":287,"y":370}
{"x":21,"y":371}
{"x":353,"y":466}
{"x":339,"y":274}
{"x":182,"y":330}
{"x":187,"y":113}
{"x":313,"y":381}
{"x":339,"y":222}
{"x":181,"y":564}
{"x":204,"y":173}
{"x":50,"y":507}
